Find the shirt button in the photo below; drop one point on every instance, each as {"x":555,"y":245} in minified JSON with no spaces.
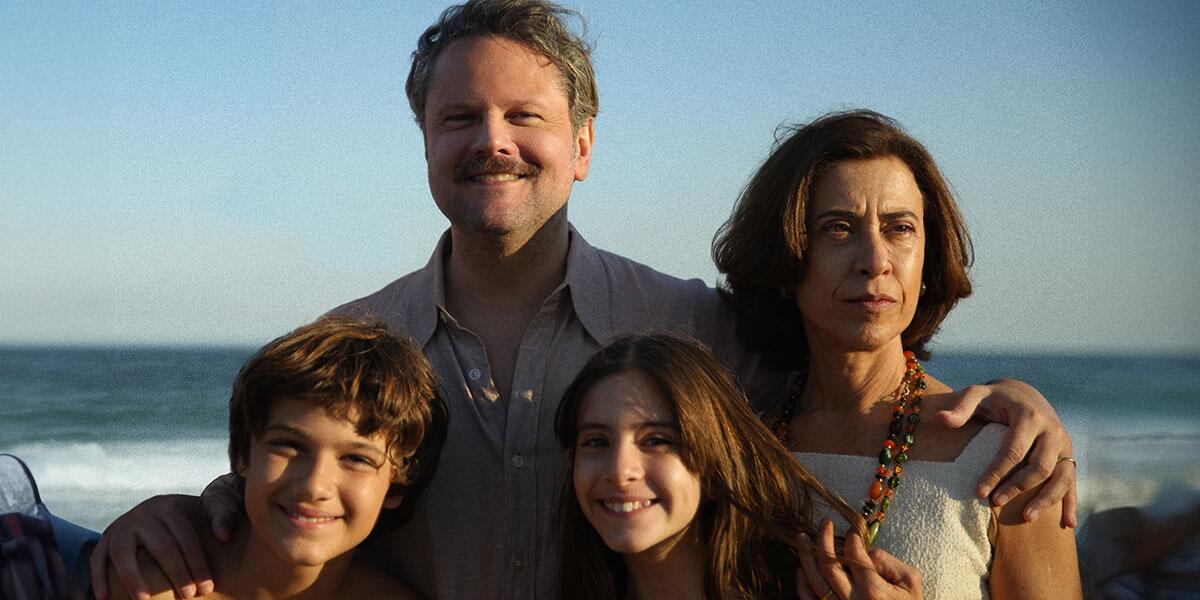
{"x":517,"y":461}
{"x":520,"y":563}
{"x":474,"y":374}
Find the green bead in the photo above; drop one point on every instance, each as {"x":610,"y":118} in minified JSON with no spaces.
{"x":894,"y":481}
{"x":872,"y":531}
{"x":920,"y":384}
{"x":884,"y":503}
{"x":885,"y":456}
{"x":914,"y":418}
{"x":909,"y":438}
{"x":901,"y":458}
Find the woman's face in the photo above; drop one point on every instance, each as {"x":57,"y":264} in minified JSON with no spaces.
{"x":629,"y":475}
{"x":866,"y":234}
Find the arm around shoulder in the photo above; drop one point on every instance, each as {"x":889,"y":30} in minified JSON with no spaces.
{"x":1033,"y":559}
{"x":159,"y":586}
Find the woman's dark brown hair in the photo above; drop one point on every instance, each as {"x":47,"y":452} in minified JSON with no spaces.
{"x":756,"y":497}
{"x":762,"y":248}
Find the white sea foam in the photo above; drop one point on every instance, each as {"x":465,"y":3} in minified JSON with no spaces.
{"x":93,"y":483}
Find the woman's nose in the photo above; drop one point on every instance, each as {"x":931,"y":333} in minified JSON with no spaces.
{"x":873,"y":259}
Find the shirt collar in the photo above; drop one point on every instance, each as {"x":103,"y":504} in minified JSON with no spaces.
{"x":586,"y":280}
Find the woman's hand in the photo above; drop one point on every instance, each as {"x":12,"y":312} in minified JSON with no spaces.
{"x":1035,"y":435}
{"x":166,"y":527}
{"x":874,"y":575}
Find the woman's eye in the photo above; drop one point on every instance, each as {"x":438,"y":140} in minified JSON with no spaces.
{"x":836,"y":229}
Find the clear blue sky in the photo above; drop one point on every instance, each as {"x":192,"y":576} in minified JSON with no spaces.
{"x":221,"y":172}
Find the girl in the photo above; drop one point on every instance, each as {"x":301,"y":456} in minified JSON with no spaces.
{"x":678,"y":490}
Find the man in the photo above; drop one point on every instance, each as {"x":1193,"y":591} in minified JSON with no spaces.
{"x":509,"y":307}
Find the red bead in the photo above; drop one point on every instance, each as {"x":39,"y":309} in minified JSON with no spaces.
{"x":909,"y":355}
{"x":881,"y":471}
{"x":889,"y":444}
{"x":876,"y":490}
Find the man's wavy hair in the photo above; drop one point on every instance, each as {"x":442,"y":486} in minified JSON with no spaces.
{"x":537,"y":24}
{"x":757,"y":498}
{"x":763,"y":247}
{"x":344,"y":364}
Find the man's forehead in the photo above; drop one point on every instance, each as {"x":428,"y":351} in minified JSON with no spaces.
{"x":481,"y":54}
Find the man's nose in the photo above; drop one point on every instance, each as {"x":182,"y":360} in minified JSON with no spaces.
{"x":494,"y":136}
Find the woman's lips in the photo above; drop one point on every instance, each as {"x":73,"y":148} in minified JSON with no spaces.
{"x":872,"y":302}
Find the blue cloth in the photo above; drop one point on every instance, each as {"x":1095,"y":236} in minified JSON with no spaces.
{"x":42,"y":557}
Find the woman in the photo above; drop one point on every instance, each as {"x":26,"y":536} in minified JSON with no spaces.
{"x":842,"y":257}
{"x":678,"y":490}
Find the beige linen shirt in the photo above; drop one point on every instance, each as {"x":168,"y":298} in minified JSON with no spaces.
{"x":486,"y":527}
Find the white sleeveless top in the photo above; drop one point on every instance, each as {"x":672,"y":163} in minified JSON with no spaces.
{"x":935,"y":523}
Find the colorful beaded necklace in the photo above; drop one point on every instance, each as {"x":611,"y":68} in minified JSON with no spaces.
{"x":901,"y":437}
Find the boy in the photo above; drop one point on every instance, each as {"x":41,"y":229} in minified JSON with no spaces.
{"x":327,"y":425}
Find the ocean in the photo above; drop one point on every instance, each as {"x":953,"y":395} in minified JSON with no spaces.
{"x":102,"y":429}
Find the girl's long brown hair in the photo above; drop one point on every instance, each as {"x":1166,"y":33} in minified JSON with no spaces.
{"x":757,"y":497}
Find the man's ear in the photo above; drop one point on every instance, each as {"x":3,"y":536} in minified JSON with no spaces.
{"x":584,"y":138}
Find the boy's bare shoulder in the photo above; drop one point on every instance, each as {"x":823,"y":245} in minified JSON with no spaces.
{"x":365,"y":580}
{"x":159,"y":586}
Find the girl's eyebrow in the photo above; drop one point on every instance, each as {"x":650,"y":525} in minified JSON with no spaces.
{"x":643,"y":424}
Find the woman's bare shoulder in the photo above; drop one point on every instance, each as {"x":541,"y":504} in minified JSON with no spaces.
{"x":939,"y":442}
{"x":365,"y":580}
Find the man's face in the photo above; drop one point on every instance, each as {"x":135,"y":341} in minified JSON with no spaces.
{"x":501,"y":151}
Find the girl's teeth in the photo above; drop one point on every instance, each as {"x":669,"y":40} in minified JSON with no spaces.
{"x":624,"y":507}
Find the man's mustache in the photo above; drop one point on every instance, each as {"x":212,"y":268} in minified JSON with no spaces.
{"x":493,"y":165}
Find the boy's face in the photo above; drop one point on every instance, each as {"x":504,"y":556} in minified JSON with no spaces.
{"x":314,"y":486}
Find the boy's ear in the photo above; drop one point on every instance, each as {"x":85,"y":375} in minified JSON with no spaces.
{"x":241,"y":467}
{"x":393,"y":499}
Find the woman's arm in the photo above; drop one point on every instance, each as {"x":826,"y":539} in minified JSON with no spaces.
{"x":1033,"y":559}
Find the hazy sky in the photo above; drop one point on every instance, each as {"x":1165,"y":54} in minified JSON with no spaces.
{"x":220,"y":173}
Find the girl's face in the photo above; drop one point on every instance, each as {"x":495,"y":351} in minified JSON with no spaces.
{"x":628,"y":471}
